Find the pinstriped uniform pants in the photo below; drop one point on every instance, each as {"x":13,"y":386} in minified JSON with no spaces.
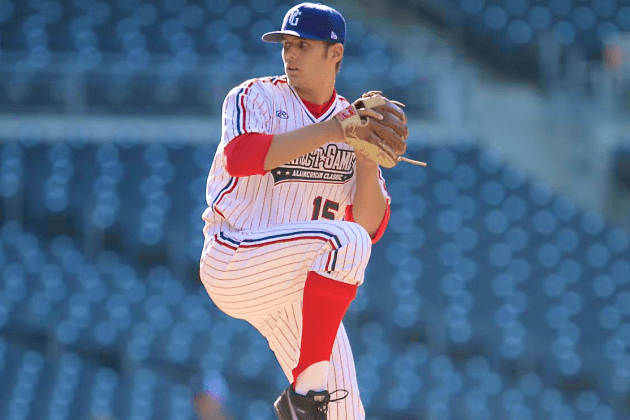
{"x":259,"y":276}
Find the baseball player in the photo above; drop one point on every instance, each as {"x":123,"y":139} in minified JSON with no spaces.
{"x":293,"y":211}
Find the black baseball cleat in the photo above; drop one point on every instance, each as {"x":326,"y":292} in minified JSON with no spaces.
{"x":312,"y":406}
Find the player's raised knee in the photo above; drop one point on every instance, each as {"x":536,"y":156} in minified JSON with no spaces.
{"x":364,"y":236}
{"x":362,"y":241}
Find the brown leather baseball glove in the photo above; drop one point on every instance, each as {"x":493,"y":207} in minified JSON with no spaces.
{"x":384,"y":140}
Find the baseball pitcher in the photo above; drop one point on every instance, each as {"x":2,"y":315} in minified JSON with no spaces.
{"x":295,"y":200}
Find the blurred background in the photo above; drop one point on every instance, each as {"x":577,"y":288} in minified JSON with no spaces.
{"x":499,"y":291}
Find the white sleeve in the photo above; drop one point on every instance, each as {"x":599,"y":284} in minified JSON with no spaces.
{"x":245,"y":110}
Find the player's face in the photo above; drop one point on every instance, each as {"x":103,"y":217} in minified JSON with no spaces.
{"x":306,"y":62}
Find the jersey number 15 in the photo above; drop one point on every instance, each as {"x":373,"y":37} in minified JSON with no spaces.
{"x":327,"y":211}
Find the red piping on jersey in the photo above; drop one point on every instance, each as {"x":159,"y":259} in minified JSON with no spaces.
{"x":245,"y":154}
{"x":225,"y":244}
{"x":381,"y":228}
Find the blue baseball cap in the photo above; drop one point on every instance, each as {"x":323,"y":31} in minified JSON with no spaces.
{"x":312,"y":21}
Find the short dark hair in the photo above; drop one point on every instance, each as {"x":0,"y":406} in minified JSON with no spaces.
{"x":328,"y":45}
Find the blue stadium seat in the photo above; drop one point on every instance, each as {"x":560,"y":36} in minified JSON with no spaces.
{"x":515,"y":207}
{"x":15,"y":286}
{"x":143,"y":394}
{"x":530,"y":384}
{"x":545,"y":222}
{"x":603,"y":412}
{"x":496,"y":221}
{"x":549,"y":255}
{"x":475,"y":400}
{"x":491,"y":383}
{"x":466,"y":206}
{"x":495,"y":17}
{"x":464,"y":176}
{"x":449,"y":221}
{"x":477,"y":366}
{"x":520,"y":32}
{"x":441,"y":367}
{"x":406,"y":312}
{"x":67,"y":379}
{"x":445,"y":192}
{"x":11,"y":170}
{"x":28,"y":376}
{"x":103,"y":392}
{"x":180,"y":402}
{"x":512,"y":400}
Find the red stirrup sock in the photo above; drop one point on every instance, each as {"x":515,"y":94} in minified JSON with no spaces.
{"x":325,"y":303}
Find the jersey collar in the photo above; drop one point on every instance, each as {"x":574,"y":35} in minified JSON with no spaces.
{"x":332,"y":104}
{"x":318,"y":110}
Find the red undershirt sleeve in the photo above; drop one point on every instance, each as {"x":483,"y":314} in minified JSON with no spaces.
{"x":245,"y":154}
{"x":381,"y":228}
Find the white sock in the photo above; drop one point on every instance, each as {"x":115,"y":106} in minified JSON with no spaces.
{"x":313,"y":378}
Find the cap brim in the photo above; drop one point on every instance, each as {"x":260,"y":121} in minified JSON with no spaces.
{"x":276,"y":36}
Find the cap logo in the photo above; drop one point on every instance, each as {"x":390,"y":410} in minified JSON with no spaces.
{"x":333,"y":35}
{"x":293,"y":19}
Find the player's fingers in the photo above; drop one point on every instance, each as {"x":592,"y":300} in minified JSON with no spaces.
{"x":397,"y":147}
{"x":402,"y":149}
{"x":390,"y":137}
{"x":403,"y":132}
{"x":392,"y":109}
{"x":371,"y":93}
{"x":368,"y":112}
{"x":392,"y":117}
{"x":396,"y":124}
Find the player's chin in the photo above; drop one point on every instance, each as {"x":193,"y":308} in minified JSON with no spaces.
{"x":292,"y":75}
{"x":294,"y":80}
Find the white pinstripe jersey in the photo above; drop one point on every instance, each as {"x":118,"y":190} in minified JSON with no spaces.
{"x":317,"y":185}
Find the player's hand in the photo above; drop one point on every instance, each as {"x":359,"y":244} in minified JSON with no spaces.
{"x":363,"y":161}
{"x":375,"y":127}
{"x":368,"y":112}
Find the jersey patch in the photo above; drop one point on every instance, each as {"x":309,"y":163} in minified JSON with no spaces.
{"x":332,"y":164}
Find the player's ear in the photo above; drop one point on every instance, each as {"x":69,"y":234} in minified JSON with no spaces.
{"x":337,"y":51}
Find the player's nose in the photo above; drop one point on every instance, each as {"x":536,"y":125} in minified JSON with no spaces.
{"x":289,"y":53}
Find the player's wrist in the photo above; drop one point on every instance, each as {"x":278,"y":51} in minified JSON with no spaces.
{"x":365,"y":165}
{"x":335,"y":131}
{"x":366,"y":169}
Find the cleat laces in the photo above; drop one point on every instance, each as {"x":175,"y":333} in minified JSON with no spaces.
{"x":321,"y":403}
